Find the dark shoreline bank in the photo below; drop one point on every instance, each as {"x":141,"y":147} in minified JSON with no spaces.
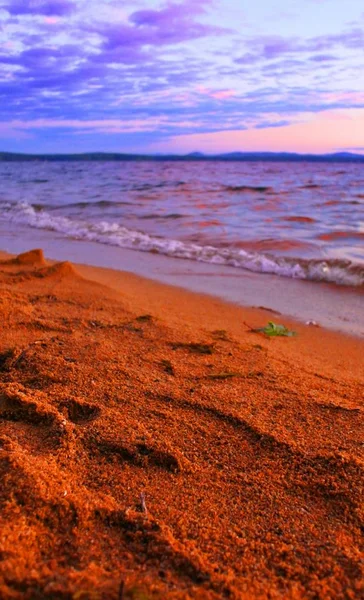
{"x":339,"y":157}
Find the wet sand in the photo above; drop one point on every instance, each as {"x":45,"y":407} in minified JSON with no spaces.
{"x":336,"y":307}
{"x":152,"y":446}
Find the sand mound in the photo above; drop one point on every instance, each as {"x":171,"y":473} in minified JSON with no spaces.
{"x":144,"y":459}
{"x":31,"y":266}
{"x":60,"y":270}
{"x":32,"y":258}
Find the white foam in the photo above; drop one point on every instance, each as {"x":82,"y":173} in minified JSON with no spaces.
{"x":334,"y":271}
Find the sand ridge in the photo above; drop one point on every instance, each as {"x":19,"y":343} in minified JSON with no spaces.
{"x":154,"y":454}
{"x":32,"y":258}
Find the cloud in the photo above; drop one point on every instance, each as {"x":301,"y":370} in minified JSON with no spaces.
{"x":169,"y":16}
{"x":318,"y":133}
{"x":49,"y":8}
{"x":22,"y":129}
{"x":277,"y":46}
{"x":102,"y":60}
{"x":272,"y":47}
{"x":352,"y":39}
{"x":173,"y":24}
{"x":158,"y":63}
{"x":323,"y":58}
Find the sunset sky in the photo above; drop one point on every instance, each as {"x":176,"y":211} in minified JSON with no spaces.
{"x":181,"y":76}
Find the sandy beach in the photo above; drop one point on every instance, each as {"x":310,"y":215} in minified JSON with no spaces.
{"x":152,"y":446}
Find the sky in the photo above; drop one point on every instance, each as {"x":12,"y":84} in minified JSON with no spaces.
{"x":154,"y":76}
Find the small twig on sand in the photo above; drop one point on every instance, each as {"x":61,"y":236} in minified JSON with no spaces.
{"x":143,"y":505}
{"x":24,"y":351}
{"x":249,"y":327}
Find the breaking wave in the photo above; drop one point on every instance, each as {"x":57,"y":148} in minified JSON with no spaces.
{"x":342,"y":272}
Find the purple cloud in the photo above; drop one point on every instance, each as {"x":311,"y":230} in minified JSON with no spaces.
{"x":277,"y":46}
{"x":48,"y":8}
{"x":353,"y":39}
{"x":173,"y":13}
{"x":136,"y":60}
{"x":323,"y":58}
{"x":172,"y":24}
{"x":273,"y":47}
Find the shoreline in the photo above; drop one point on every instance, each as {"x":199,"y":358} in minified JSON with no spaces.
{"x":150,"y":443}
{"x":331,"y":306}
{"x":144,"y":294}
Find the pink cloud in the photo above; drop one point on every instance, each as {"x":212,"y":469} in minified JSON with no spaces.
{"x":315,"y":133}
{"x":51,"y":20}
{"x":217,"y":94}
{"x":348,"y":97}
{"x":222,"y":94}
{"x":7,"y":131}
{"x":20,"y":128}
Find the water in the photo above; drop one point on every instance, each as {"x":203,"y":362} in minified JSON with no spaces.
{"x":301,"y":220}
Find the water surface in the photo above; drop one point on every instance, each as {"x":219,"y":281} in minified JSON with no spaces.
{"x":302,"y":220}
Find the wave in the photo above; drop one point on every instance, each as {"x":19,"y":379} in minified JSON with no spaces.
{"x":100,"y":203}
{"x":339,"y":203}
{"x":342,"y":272}
{"x":142,"y":187}
{"x":299,"y":219}
{"x":337,"y":235}
{"x":309,"y":186}
{"x":248,"y":188}
{"x":161,"y":217}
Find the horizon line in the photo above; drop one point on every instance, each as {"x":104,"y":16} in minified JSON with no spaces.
{"x":195,"y":155}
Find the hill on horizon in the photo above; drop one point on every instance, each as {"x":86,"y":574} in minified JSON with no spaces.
{"x":192,"y":156}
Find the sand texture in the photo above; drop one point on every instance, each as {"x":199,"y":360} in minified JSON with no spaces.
{"x":151,"y":447}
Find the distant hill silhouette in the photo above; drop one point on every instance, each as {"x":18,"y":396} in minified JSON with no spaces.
{"x":193,"y":156}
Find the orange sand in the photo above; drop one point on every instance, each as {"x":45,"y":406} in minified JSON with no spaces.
{"x":152,"y":447}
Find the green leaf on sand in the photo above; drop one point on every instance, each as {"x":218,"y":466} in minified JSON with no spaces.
{"x":272,"y":329}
